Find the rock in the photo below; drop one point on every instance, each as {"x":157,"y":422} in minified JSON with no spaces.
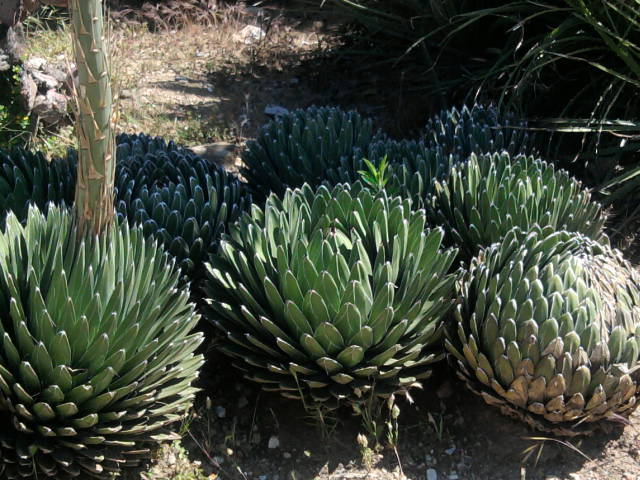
{"x":243,"y":402}
{"x":50,"y":108}
{"x":43,"y":79}
{"x":221,"y":153}
{"x":4,"y":62}
{"x":57,"y":73}
{"x":286,"y":455}
{"x":221,"y":412}
{"x":275,"y":111}
{"x":28,"y":91}
{"x":274,"y":442}
{"x":432,"y":474}
{"x":125,"y":93}
{"x":449,"y":451}
{"x":249,"y":35}
{"x":35,"y":63}
{"x":575,"y":476}
{"x":453,"y":476}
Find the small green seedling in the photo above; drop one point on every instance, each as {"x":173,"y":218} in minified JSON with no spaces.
{"x":375,"y":176}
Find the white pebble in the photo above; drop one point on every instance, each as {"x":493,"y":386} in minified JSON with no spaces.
{"x":274,"y":442}
{"x":432,"y":474}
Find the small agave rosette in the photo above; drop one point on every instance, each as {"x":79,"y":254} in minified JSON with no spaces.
{"x":96,"y":351}
{"x":479,"y":129}
{"x":311,"y":146}
{"x":29,"y":178}
{"x":329,"y":295}
{"x":188,"y":218}
{"x":488,"y":195}
{"x":538,"y":337}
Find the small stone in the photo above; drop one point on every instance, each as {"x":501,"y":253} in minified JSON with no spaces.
{"x":221,"y":412}
{"x":275,"y":111}
{"x":449,"y":451}
{"x":274,"y":442}
{"x":575,"y":476}
{"x":35,"y":63}
{"x":28,"y":91}
{"x":50,"y":108}
{"x":286,"y":455}
{"x":126,"y":93}
{"x":42,"y":78}
{"x":249,"y":35}
{"x":56,"y":73}
{"x":432,"y":474}
{"x":243,"y":402}
{"x":453,"y":476}
{"x":221,"y":153}
{"x":263,"y":477}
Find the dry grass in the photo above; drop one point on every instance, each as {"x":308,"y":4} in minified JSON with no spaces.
{"x":197,"y":84}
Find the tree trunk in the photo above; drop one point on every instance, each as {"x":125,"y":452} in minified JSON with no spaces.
{"x":96,"y":161}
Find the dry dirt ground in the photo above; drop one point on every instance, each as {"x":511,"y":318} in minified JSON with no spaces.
{"x":207,"y":83}
{"x":238,"y":432}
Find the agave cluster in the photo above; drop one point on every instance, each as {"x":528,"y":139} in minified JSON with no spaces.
{"x":28,"y":178}
{"x":479,"y":129}
{"x":485,"y":197}
{"x":182,"y":200}
{"x":329,"y":295}
{"x":542,"y":333}
{"x":97,"y":355}
{"x":306,"y":146}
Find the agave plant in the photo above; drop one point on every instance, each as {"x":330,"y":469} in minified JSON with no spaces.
{"x":452,"y":136}
{"x":329,"y":295}
{"x":145,"y":162}
{"x":306,"y":146}
{"x":548,"y":330}
{"x":412,"y":167}
{"x":479,"y":129}
{"x":484,"y":198}
{"x":187,"y":218}
{"x":29,"y":178}
{"x":97,"y":355}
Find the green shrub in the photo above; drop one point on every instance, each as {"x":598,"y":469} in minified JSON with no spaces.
{"x":485,"y":197}
{"x":329,"y":295}
{"x":569,"y":58}
{"x":97,"y":358}
{"x":14,"y":121}
{"x":306,"y":146}
{"x":547,"y":331}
